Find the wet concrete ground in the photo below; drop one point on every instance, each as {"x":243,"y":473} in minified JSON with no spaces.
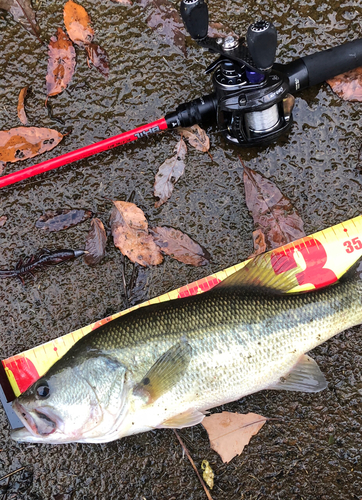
{"x":313,"y":449}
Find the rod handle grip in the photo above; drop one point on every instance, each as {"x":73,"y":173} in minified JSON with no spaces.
{"x":324,"y":65}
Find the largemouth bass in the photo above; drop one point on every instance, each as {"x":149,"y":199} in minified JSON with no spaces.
{"x":164,"y":365}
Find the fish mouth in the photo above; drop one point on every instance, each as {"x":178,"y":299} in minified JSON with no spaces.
{"x":36,"y":421}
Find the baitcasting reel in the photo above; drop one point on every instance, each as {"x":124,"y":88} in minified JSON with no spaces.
{"x":253,"y":98}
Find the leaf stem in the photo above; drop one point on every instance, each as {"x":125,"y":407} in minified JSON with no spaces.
{"x":11,"y":473}
{"x":123,"y":272}
{"x":193,"y":465}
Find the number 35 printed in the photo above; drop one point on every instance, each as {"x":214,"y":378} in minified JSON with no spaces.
{"x":352,"y":245}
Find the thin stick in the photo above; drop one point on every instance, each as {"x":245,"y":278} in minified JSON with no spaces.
{"x":193,"y":465}
{"x":132,"y":197}
{"x":133,"y":279}
{"x":127,"y":293}
{"x":11,"y":473}
{"x":241,"y":161}
{"x":123,"y":272}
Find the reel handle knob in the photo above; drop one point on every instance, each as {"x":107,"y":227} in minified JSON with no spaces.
{"x":195,"y":16}
{"x":262,"y":44}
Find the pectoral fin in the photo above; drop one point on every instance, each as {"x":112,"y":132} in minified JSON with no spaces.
{"x":165,"y":373}
{"x":305,"y":377}
{"x":186,"y":419}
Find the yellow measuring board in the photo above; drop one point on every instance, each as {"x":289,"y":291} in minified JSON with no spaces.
{"x":319,"y":260}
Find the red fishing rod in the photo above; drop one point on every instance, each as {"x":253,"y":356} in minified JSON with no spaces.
{"x":81,"y":153}
{"x":200,"y":110}
{"x":253,"y":96}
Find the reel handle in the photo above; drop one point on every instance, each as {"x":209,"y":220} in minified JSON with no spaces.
{"x":195,"y":15}
{"x":261,"y":39}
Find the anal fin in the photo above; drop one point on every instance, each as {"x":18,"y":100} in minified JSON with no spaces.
{"x":305,"y":377}
{"x":186,"y":419}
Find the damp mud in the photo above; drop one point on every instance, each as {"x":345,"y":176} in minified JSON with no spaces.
{"x":312,"y":449}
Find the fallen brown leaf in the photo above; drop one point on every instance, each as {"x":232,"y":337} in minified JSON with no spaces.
{"x":21,"y":143}
{"x":197,"y":138}
{"x":95,"y":243}
{"x":61,"y":63}
{"x":180,"y":246}
{"x":259,"y":243}
{"x":21,"y":106}
{"x":167,"y":22}
{"x":77,"y":23}
{"x":23,"y":13}
{"x":273,"y":213}
{"x":169,"y":173}
{"x":218,"y":30}
{"x":130,"y":234}
{"x":57,"y":220}
{"x":348,"y":85}
{"x":229,"y":433}
{"x":98,"y":57}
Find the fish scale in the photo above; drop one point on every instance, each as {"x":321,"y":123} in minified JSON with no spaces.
{"x":241,"y":339}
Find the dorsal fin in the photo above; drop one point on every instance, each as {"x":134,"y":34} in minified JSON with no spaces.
{"x":260,"y":274}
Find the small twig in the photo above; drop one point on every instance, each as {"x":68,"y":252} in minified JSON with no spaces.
{"x":123,"y":260}
{"x":11,"y":473}
{"x":193,"y":465}
{"x":123,"y":272}
{"x":109,"y":458}
{"x":241,"y":161}
{"x":49,"y":107}
{"x":132,"y":197}
{"x":133,"y":279}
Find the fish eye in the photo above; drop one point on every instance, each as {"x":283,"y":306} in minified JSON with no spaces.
{"x":42,"y":390}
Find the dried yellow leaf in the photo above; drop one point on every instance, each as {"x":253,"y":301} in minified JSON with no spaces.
{"x":207,"y":474}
